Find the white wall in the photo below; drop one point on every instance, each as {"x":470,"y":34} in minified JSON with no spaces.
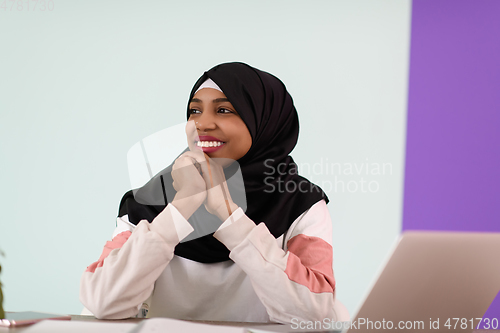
{"x":80,"y":84}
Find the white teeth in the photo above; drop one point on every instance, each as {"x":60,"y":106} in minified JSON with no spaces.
{"x":209,"y":143}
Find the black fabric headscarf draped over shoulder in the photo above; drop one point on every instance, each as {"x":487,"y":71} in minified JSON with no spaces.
{"x":275,"y":193}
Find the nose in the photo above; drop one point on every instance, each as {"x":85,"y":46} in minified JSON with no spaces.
{"x":206,"y":122}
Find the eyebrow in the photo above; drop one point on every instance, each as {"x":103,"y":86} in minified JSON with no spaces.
{"x":217,"y":100}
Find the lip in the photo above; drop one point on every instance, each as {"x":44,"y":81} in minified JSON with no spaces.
{"x":208,"y":138}
{"x":209,"y":150}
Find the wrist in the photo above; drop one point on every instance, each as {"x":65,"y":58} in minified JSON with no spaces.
{"x":187,"y":205}
{"x":225,"y":210}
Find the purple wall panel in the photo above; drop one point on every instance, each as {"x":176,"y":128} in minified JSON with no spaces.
{"x":452,"y":179}
{"x":491,"y":314}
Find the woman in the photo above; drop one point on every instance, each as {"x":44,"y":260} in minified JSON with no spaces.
{"x":271,"y":263}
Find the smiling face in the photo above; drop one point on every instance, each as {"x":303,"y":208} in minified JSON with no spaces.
{"x":222,"y":132}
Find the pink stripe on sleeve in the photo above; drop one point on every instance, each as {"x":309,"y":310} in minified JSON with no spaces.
{"x":310,"y":263}
{"x":115,"y":243}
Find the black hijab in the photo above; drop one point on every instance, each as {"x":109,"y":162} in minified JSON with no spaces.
{"x":275,"y":193}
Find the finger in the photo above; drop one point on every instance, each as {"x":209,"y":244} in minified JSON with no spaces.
{"x":196,"y":159}
{"x":194,"y":174}
{"x":199,"y":160}
{"x":192,"y":136}
{"x":211,"y":171}
{"x":182,"y":162}
{"x":187,"y":158}
{"x":207,"y":171}
{"x":195,"y":156}
{"x":176,"y":187}
{"x":217,"y":170}
{"x":187,"y":177}
{"x":211,"y":178}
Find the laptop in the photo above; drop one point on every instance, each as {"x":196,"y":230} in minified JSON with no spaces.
{"x":434,"y":281}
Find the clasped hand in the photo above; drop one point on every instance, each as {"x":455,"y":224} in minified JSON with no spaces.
{"x":199,"y":179}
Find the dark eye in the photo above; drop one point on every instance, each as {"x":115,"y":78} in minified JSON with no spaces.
{"x":223,"y":110}
{"x":194,"y":111}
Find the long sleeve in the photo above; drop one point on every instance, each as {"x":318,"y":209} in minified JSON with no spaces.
{"x":294,"y":282}
{"x":123,"y":278}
